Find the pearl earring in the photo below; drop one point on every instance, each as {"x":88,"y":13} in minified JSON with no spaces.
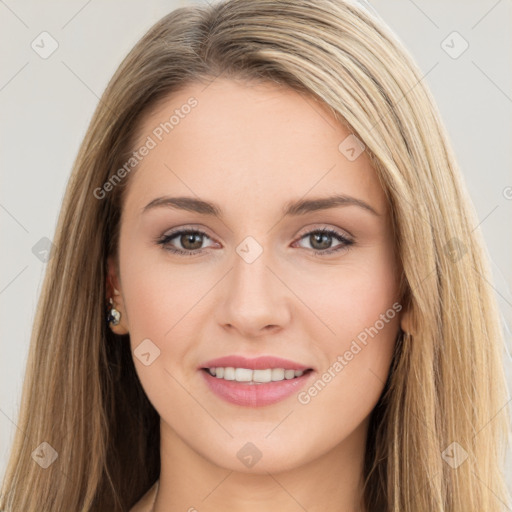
{"x":113,"y":315}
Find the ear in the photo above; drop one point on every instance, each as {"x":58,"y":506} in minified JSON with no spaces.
{"x":113,"y":290}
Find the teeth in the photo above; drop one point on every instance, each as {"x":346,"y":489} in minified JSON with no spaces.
{"x":277,"y":374}
{"x":229,"y":374}
{"x":254,"y":376}
{"x":242,"y":375}
{"x":289,"y":374}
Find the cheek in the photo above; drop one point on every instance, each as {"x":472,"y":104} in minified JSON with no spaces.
{"x":355,"y":368}
{"x":159,"y":294}
{"x":159,"y":302}
{"x":162,"y":309}
{"x":162,"y":306}
{"x":350,"y":297}
{"x":359,"y":305}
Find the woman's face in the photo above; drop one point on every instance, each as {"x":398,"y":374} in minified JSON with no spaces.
{"x":254,"y":165}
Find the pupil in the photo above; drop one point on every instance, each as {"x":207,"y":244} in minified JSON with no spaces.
{"x":190,"y":238}
{"x":319,"y":237}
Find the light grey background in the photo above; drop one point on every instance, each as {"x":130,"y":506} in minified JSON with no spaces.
{"x":46,"y":105}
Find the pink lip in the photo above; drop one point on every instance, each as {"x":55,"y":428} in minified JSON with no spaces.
{"x":258,"y":363}
{"x":254,"y":395}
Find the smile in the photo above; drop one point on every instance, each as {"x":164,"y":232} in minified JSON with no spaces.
{"x":255,"y":388}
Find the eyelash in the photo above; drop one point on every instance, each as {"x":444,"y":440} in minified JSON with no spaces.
{"x":164,"y":241}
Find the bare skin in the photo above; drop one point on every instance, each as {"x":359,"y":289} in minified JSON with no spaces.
{"x":251,"y":149}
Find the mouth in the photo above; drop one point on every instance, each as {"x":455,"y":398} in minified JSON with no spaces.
{"x":255,"y":388}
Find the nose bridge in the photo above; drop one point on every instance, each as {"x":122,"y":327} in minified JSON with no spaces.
{"x":251,"y":279}
{"x":250,"y":272}
{"x":255,"y":298}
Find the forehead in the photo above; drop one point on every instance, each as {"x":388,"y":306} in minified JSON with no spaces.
{"x":247,"y":144}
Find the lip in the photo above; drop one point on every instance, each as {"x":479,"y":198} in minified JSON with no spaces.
{"x":257,"y":363}
{"x":255,"y":395}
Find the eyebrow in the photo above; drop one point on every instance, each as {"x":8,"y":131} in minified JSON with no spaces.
{"x":292,"y":208}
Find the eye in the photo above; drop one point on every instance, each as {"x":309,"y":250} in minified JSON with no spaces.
{"x":320,"y":241}
{"x":190,"y":241}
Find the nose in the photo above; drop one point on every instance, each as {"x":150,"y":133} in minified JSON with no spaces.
{"x":253,"y":300}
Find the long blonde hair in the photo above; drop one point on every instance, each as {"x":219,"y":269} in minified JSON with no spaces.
{"x":445,"y":396}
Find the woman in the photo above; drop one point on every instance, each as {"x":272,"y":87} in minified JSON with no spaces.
{"x":298,"y":314}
